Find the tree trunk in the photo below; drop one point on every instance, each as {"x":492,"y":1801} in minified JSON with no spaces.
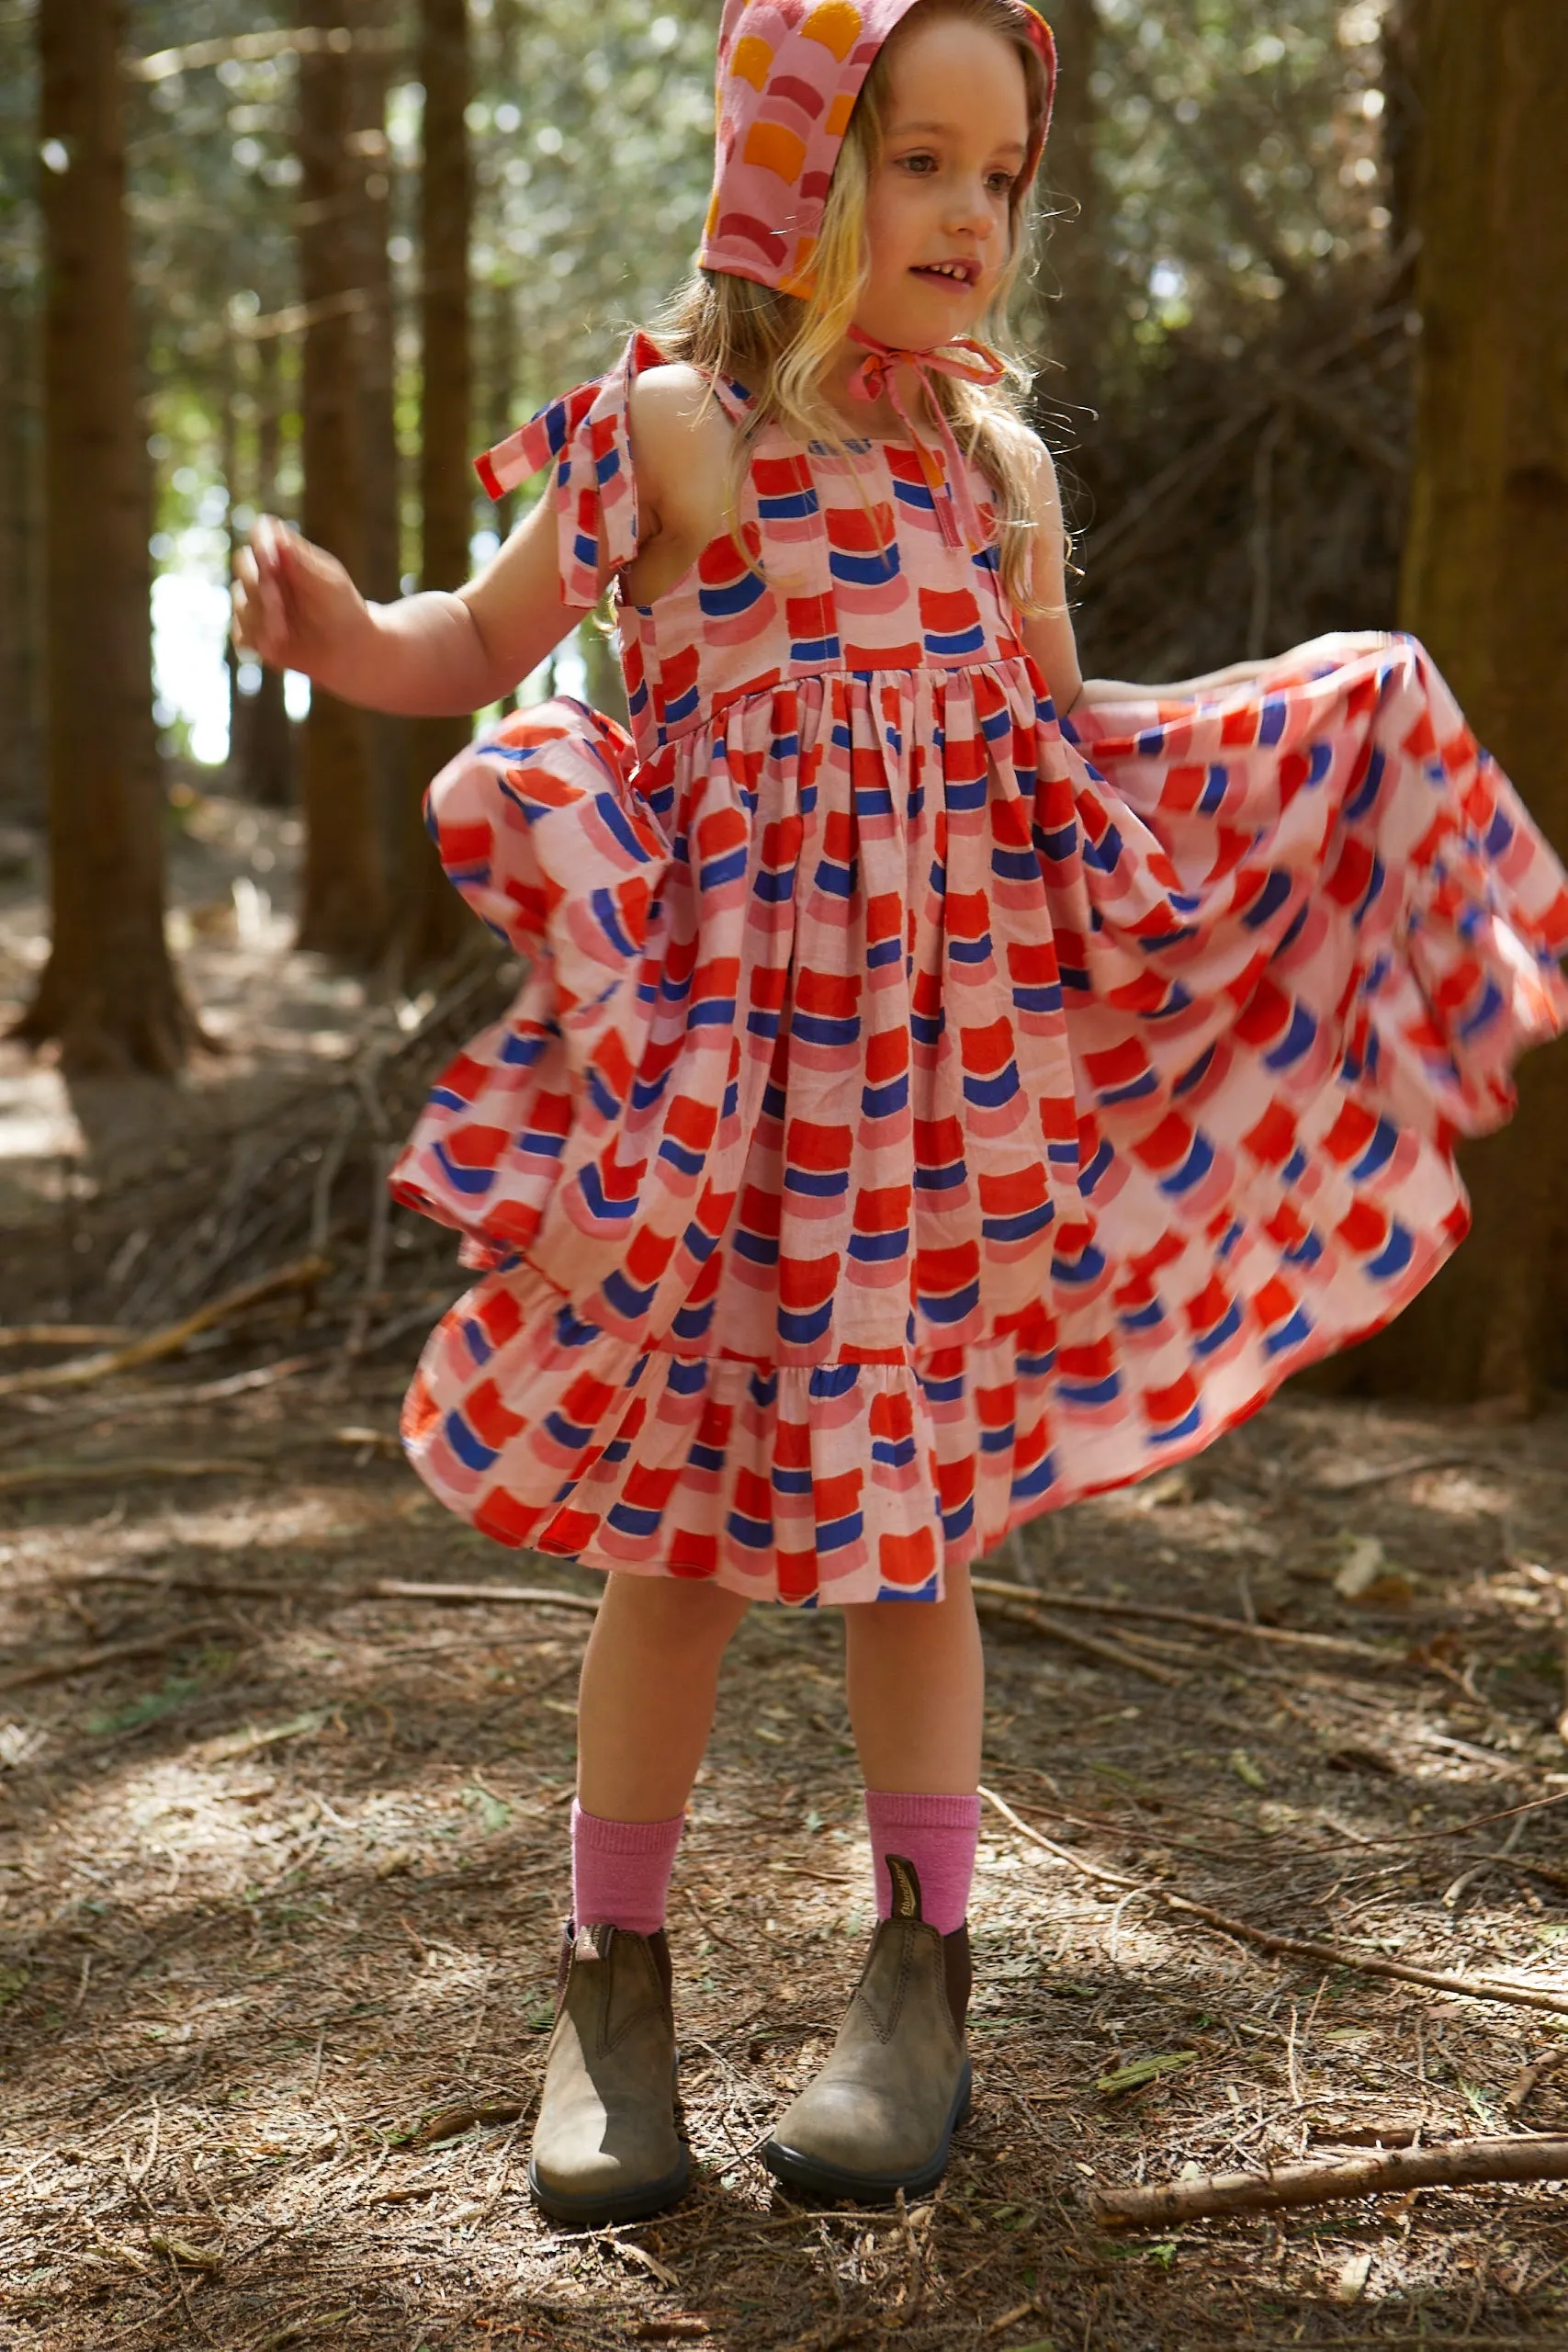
{"x":21,"y":738}
{"x":1402,"y":113}
{"x":500,"y":339}
{"x":374,"y":324}
{"x":604,"y":676}
{"x":229,"y":397}
{"x":433,"y":924}
{"x":262,"y":753}
{"x":1485,"y":585}
{"x":343,"y":909}
{"x":108,"y":992}
{"x":1074,"y":317}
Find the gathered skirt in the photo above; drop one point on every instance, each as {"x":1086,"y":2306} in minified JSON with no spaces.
{"x":919,"y":1114}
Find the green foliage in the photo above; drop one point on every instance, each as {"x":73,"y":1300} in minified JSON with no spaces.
{"x":1240,"y":150}
{"x":595,"y":152}
{"x":1239,"y":179}
{"x":172,"y":1693}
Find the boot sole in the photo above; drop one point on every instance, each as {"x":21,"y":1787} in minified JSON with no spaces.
{"x":626,"y":2205}
{"x":814,"y":2178}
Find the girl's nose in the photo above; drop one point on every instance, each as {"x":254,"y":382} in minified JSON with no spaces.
{"x":969,"y":206}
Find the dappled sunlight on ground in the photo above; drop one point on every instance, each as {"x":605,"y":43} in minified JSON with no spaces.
{"x":282,"y":1861}
{"x":281,"y":1882}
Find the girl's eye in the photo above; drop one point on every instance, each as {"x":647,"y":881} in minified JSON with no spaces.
{"x":1002,"y":182}
{"x":919,"y":162}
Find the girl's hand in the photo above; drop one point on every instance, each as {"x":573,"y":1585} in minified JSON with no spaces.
{"x":295,"y":607}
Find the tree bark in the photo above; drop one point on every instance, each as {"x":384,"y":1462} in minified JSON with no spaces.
{"x":1402,"y":113}
{"x":343,"y":909}
{"x":432,"y":922}
{"x":1485,"y":585}
{"x":263,"y":752}
{"x":370,"y":162}
{"x":21,"y":739}
{"x":229,"y":402}
{"x":1073,"y":313}
{"x":500,"y":336}
{"x":604,"y":676}
{"x":108,"y":992}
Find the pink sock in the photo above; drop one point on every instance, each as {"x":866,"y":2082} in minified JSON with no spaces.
{"x":620,"y":1870}
{"x":939,"y":1835}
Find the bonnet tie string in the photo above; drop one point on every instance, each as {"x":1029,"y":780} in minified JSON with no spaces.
{"x":947,"y":476}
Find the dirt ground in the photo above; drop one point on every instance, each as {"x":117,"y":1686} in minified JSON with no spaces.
{"x":282,"y":1864}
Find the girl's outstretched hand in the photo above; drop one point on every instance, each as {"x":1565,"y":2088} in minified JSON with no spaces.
{"x":295,"y":607}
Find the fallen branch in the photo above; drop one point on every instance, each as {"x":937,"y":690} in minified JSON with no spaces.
{"x":1237,"y":1628}
{"x":452,"y":2120}
{"x":1321,"y":1955}
{"x":61,"y":1335}
{"x":336,"y":1595}
{"x":538,"y":1596}
{"x":990,"y":1598}
{"x":1466,"y":2165}
{"x":59,"y":1668}
{"x":304,"y":1275}
{"x":1384,"y":1474}
{"x":1527,"y":2081}
{"x":98,"y":1474}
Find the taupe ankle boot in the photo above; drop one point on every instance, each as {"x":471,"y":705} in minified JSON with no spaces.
{"x":881,"y":2115}
{"x":607,"y":2145}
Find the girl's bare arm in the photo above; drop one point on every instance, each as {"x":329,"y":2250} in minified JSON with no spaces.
{"x":438,"y":653}
{"x":1049,"y":635}
{"x":431,"y":655}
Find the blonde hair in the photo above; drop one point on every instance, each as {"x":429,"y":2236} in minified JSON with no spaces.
{"x":781,"y":345}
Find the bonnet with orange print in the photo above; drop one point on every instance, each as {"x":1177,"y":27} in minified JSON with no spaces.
{"x":789,"y":73}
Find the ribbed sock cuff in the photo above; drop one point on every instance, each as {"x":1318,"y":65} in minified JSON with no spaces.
{"x":620,"y":1870}
{"x":939,"y":1835}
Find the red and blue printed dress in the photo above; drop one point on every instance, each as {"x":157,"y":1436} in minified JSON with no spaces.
{"x":921,"y":1111}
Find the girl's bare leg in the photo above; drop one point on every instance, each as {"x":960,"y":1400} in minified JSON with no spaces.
{"x":645,"y":1705}
{"x":916,"y":1681}
{"x":882,"y":2112}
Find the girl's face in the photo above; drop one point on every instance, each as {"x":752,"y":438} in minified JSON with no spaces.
{"x":955,"y":141}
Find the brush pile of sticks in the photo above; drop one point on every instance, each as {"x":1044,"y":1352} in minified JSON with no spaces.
{"x":239,"y":1221}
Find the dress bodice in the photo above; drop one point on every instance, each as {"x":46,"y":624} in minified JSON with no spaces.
{"x":837,"y":561}
{"x":844,"y":569}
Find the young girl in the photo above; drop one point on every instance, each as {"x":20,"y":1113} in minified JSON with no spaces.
{"x":942,"y":1089}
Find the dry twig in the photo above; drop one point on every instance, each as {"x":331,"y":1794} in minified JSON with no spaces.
{"x":536,"y":1596}
{"x":1467,"y":2163}
{"x":61,"y":1335}
{"x":1322,"y":1955}
{"x":42,"y":1475}
{"x":1236,"y":1628}
{"x":304,"y":1275}
{"x":59,"y":1668}
{"x":997,"y":1600}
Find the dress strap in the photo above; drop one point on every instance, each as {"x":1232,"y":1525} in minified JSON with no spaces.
{"x":733,"y":398}
{"x":583,"y":434}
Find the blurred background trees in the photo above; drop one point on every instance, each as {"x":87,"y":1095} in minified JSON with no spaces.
{"x":364,"y":236}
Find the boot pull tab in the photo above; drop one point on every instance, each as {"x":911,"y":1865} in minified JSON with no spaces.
{"x":905,"y":1881}
{"x":588,"y":1944}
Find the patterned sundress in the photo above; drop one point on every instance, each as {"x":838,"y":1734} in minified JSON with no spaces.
{"x":921,"y":1111}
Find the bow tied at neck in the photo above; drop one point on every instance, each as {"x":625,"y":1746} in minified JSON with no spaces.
{"x":947,"y":478}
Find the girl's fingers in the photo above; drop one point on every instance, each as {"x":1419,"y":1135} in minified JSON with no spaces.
{"x":269,"y":546}
{"x":258,"y":626}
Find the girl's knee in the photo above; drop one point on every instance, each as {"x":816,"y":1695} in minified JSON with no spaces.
{"x":912,"y":1625}
{"x":668,"y":1609}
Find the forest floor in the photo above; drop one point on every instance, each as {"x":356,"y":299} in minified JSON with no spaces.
{"x":282,"y":1864}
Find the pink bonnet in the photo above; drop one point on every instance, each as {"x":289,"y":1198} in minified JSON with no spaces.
{"x":789,"y":73}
